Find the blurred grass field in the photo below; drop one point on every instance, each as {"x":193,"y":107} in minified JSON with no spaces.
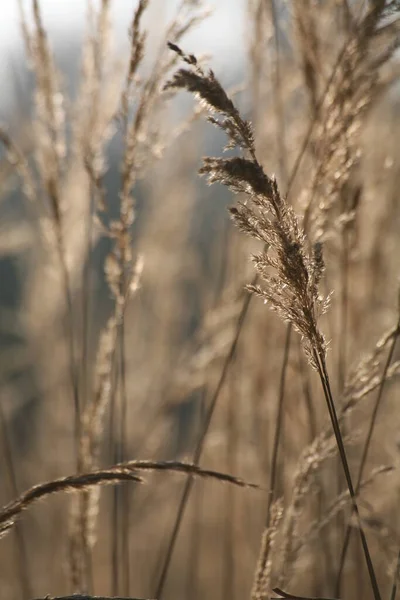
{"x":126,"y":332}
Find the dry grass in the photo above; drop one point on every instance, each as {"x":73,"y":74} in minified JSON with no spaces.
{"x":136,"y":345}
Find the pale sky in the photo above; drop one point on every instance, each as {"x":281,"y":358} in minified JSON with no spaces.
{"x":222,"y":35}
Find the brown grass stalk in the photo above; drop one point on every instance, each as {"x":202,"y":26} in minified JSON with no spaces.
{"x":367,"y":444}
{"x":127,"y":471}
{"x":293,"y":291}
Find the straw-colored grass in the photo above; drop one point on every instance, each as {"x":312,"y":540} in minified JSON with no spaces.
{"x":135,"y":343}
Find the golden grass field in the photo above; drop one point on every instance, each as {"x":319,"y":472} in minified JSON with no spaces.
{"x":204,"y":379}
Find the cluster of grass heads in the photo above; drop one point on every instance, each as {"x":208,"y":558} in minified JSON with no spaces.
{"x":179,"y":370}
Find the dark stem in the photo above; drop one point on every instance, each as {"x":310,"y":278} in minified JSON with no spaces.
{"x":393,"y":592}
{"x":323,"y":374}
{"x":229,"y":583}
{"x":125,"y":490}
{"x":232,"y":350}
{"x":288,"y":596}
{"x":199,"y":449}
{"x":342,"y":357}
{"x":325,"y":546}
{"x":366,"y":450}
{"x":84,"y":375}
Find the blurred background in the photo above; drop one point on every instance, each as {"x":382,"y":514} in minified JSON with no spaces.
{"x":65,"y":24}
{"x":122,"y":291}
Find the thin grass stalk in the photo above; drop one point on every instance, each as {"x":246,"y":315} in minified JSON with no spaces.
{"x":256,"y":53}
{"x":264,"y":557}
{"x":338,"y":505}
{"x":90,"y":444}
{"x":293,"y":291}
{"x":191,"y":60}
{"x":174,"y":536}
{"x":120,"y":511}
{"x":112,"y":393}
{"x":125,"y":491}
{"x":279,"y":423}
{"x":113,"y":442}
{"x":92,"y":129}
{"x":353,"y":93}
{"x":98,"y":48}
{"x":342,"y":353}
{"x":323,"y":374}
{"x":279,"y":109}
{"x":232,"y":350}
{"x":87,"y":278}
{"x":115,"y":526}
{"x":325,"y":546}
{"x":393,"y":591}
{"x":46,"y":82}
{"x":229,"y":573}
{"x":344,"y":304}
{"x":127,"y":471}
{"x":314,"y":121}
{"x":195,"y":541}
{"x":306,"y":15}
{"x":230,"y":354}
{"x":70,"y":337}
{"x":86,"y":297}
{"x":279,"y":103}
{"x":118,"y":413}
{"x":262,"y":580}
{"x":117,"y":429}
{"x":307,"y":394}
{"x":199,"y":448}
{"x":366,"y":448}
{"x":193,"y":580}
{"x":133,"y":130}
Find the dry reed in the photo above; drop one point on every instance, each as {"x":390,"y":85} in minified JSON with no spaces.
{"x":181,"y":349}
